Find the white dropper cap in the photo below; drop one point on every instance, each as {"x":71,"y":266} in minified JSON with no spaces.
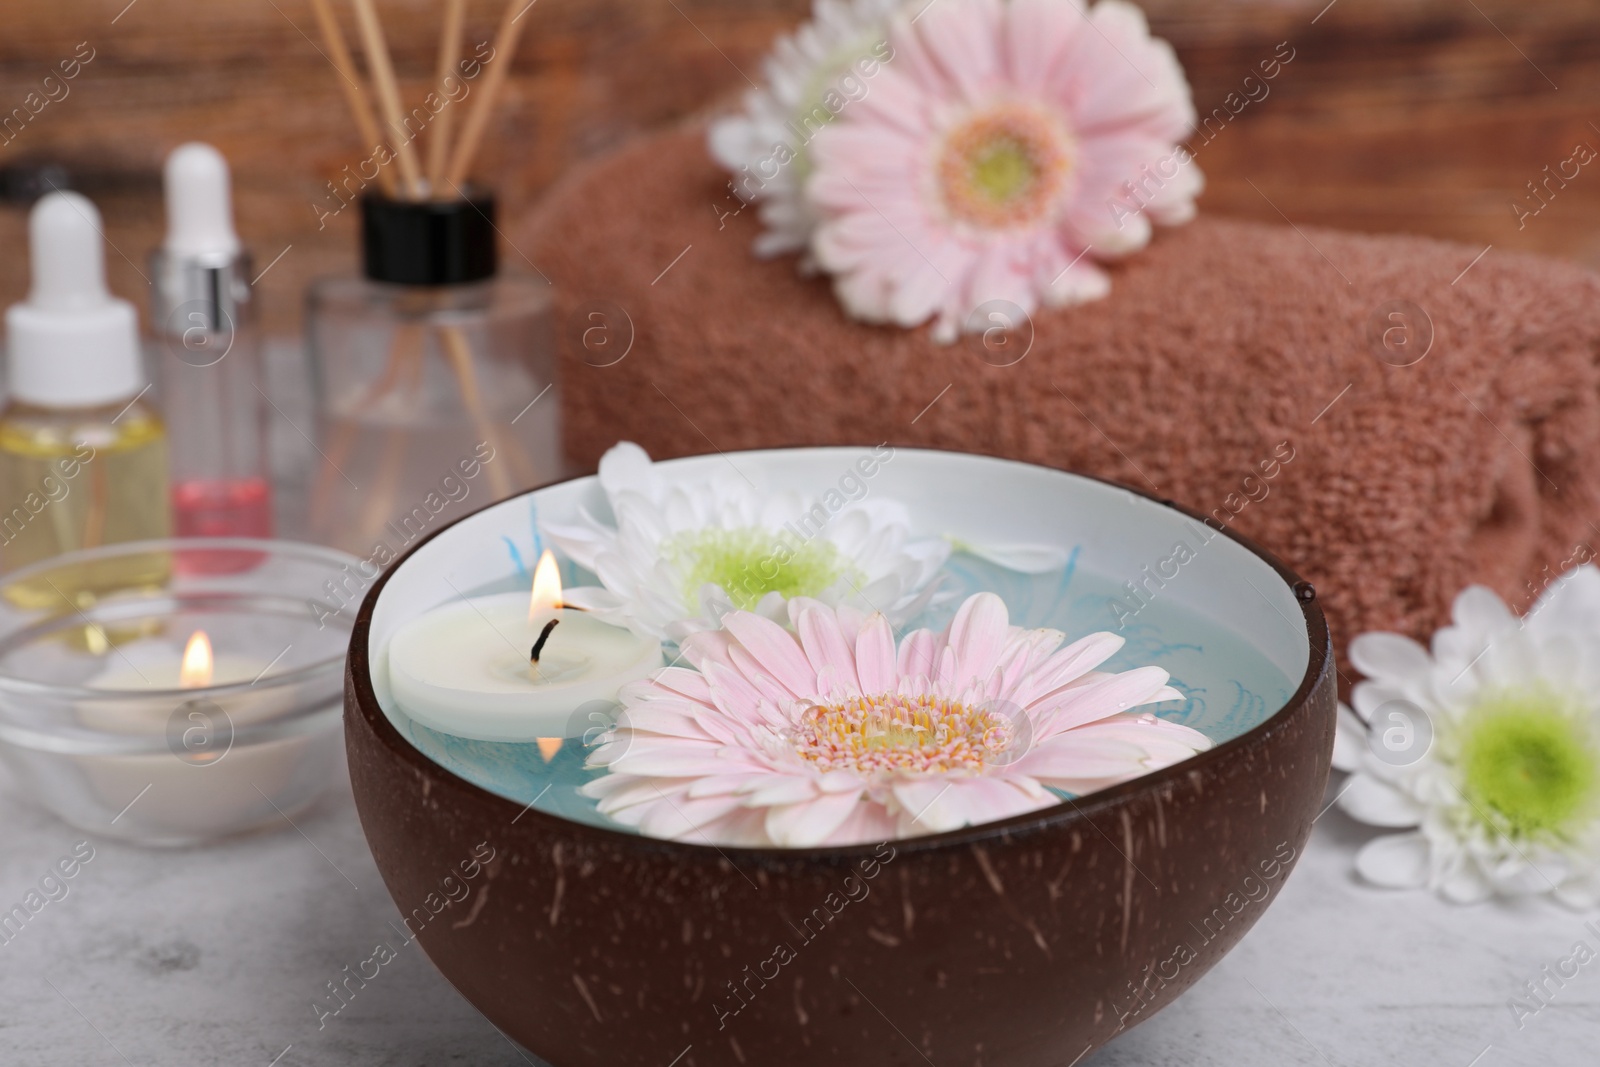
{"x":71,"y":344}
{"x":199,"y":205}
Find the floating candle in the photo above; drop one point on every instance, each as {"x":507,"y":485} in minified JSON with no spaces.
{"x":153,"y":666}
{"x":511,"y":668}
{"x":192,"y":706}
{"x":197,"y":668}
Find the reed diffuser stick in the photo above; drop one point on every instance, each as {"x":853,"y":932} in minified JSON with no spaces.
{"x":381,"y":497}
{"x":355,"y":94}
{"x":439,"y":136}
{"x":505,"y":45}
{"x":404,"y":351}
{"x":447,"y":165}
{"x":378,"y":62}
{"x":458,"y":353}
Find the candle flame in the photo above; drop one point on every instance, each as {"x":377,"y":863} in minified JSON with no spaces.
{"x":546,"y":586}
{"x":197,"y":664}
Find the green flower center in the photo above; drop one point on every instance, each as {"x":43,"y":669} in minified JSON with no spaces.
{"x":1530,"y":765}
{"x":1004,"y":167}
{"x":749,"y":562}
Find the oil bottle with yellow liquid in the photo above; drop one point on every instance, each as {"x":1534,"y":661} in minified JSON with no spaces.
{"x":83,"y":456}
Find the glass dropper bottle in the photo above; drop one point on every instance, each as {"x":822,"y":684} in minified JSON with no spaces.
{"x":83,"y":457}
{"x":208,"y":357}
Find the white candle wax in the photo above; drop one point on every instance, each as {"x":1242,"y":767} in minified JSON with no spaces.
{"x":159,"y":670}
{"x":165,"y":673}
{"x":180,"y":787}
{"x":464,"y":668}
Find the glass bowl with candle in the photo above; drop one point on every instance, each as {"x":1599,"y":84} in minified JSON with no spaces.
{"x":172,"y":692}
{"x":1031,"y":937}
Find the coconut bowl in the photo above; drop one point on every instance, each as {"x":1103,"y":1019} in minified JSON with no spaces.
{"x":1024,"y":943}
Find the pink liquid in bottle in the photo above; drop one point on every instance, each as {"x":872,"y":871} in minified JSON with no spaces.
{"x":235,"y":508}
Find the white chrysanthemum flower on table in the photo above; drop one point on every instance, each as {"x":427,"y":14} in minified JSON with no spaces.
{"x":681,"y":555}
{"x":1483,"y":752}
{"x":811,"y":76}
{"x":1008,"y":146}
{"x":831,"y":735}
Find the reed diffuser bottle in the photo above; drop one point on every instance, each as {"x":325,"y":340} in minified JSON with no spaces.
{"x":83,"y":457}
{"x":434,"y":371}
{"x":429,"y":372}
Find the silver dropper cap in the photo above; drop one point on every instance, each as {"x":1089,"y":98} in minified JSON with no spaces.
{"x":201,"y":283}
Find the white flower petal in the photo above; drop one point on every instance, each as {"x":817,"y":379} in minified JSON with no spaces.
{"x":1395,"y":861}
{"x":1366,"y":698}
{"x":1481,"y":613}
{"x":1570,"y":603}
{"x":1389,"y":658}
{"x":1465,"y":884}
{"x":763,"y":146}
{"x":1377,"y":803}
{"x":1580,"y":894}
{"x":1515,"y":876}
{"x":627,"y":468}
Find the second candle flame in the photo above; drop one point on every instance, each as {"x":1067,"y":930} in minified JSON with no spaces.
{"x":546,"y":586}
{"x":195,"y":672}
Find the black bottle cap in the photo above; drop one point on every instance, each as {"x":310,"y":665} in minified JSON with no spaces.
{"x":428,"y":242}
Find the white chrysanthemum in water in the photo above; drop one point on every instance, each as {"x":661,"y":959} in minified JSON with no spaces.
{"x":680,"y":555}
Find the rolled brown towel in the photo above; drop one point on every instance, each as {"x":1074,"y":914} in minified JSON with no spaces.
{"x":1223,"y":348}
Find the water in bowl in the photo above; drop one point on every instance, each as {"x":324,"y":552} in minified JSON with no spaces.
{"x":1229,"y":686}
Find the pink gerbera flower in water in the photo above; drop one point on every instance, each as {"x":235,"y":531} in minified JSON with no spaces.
{"x":831,"y":735}
{"x":1006,"y":146}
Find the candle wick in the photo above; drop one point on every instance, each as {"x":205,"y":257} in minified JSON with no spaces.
{"x":538,"y":646}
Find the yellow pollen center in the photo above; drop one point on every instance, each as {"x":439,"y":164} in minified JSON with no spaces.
{"x":922,"y":735}
{"x":1005,"y":167}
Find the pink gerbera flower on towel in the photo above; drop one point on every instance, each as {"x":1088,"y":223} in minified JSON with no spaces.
{"x":830,"y":735}
{"x":1007,"y":146}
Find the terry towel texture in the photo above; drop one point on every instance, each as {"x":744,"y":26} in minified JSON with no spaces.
{"x":1223,"y":347}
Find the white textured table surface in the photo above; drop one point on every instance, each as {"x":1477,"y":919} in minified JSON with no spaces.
{"x":214,"y":956}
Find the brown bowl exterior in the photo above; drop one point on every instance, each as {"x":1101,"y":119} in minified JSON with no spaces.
{"x":1021,"y":943}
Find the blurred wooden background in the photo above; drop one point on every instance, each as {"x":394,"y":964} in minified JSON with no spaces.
{"x":1424,"y":116}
